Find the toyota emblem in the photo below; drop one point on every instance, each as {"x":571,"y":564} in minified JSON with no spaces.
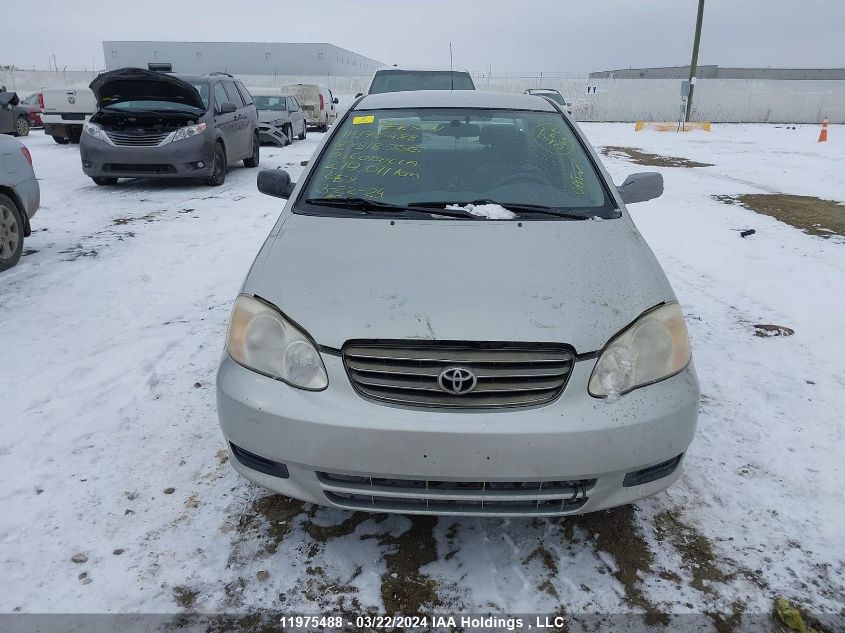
{"x":457,"y":380}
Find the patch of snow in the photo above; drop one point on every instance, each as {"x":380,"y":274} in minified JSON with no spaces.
{"x":489,"y":211}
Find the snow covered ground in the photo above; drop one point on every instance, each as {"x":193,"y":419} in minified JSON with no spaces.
{"x":112,"y":325}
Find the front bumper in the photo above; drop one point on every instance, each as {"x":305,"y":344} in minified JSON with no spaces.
{"x":171,"y":160}
{"x":271,"y":134}
{"x":577,"y":440}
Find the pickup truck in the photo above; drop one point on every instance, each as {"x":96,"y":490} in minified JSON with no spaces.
{"x":65,"y":112}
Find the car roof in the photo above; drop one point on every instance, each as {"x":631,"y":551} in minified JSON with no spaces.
{"x":435,"y":69}
{"x":453,"y":99}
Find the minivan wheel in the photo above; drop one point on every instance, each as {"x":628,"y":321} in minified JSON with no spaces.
{"x":21,"y":126}
{"x":104,"y":182}
{"x":252,"y":161}
{"x":218,"y":176}
{"x":11,"y":233}
{"x":302,"y":136}
{"x":61,"y":140}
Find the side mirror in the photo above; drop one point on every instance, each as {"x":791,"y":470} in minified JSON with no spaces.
{"x":227,"y":107}
{"x":360,"y":94}
{"x":276,"y":183}
{"x":335,"y":101}
{"x":642,"y":186}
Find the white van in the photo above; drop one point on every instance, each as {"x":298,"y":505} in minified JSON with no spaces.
{"x":66,"y":110}
{"x":318,"y":102}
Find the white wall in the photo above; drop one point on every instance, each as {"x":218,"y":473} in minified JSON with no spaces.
{"x":718,"y":100}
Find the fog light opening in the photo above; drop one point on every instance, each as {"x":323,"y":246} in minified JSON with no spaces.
{"x":652,"y":473}
{"x":261,"y":464}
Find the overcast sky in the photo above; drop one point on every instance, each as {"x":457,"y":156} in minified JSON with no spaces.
{"x":508,"y":35}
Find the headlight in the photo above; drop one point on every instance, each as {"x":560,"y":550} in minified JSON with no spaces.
{"x":188,"y":131}
{"x":654,"y":347}
{"x":276,"y":122}
{"x":262,"y":340}
{"x":95,"y":130}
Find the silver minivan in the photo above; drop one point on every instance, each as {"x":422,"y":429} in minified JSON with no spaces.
{"x":455,"y":314}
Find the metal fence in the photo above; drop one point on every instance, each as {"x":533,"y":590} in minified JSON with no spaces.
{"x":717,"y":100}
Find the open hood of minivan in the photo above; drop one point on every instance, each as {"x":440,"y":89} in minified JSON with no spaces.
{"x":137,"y":84}
{"x":9,"y":98}
{"x":572,"y":282}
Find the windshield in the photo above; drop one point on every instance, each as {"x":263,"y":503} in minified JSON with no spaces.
{"x":270,"y":103}
{"x":158,"y":106}
{"x":459,"y":156}
{"x":405,"y":80}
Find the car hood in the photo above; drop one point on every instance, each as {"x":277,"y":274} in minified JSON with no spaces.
{"x":137,"y":84}
{"x":266,"y":116}
{"x":9,"y":98}
{"x":573,"y":282}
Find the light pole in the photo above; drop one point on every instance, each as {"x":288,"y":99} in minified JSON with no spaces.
{"x":694,"y":63}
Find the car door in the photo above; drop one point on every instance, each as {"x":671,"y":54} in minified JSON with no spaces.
{"x":297,"y":118}
{"x":250,"y":110}
{"x":243,"y":127}
{"x":225,"y":122}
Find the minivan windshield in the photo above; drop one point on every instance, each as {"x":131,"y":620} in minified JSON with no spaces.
{"x":150,"y":105}
{"x":439,"y":157}
{"x":406,"y":80}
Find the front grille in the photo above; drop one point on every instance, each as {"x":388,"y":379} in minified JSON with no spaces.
{"x":139,"y":168}
{"x":137,"y":139}
{"x":408,"y":373}
{"x":540,"y":498}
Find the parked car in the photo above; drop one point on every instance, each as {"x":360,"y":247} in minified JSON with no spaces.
{"x":279,"y":118}
{"x":161,"y":125}
{"x":20,"y":196}
{"x":34,"y":104}
{"x":488,"y":332}
{"x":317,"y":101}
{"x":65,"y":112}
{"x":14,"y":118}
{"x":401,"y":79}
{"x":552,"y":94}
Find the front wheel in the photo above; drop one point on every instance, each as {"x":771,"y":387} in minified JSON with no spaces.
{"x":104,"y":182}
{"x":288,"y":134}
{"x":11,"y":233}
{"x":61,"y":140}
{"x":218,"y":176}
{"x":21,"y":126}
{"x":252,"y":161}
{"x":302,"y":136}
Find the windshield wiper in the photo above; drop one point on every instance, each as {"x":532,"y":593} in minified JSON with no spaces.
{"x":515,"y":207}
{"x":366,"y":205}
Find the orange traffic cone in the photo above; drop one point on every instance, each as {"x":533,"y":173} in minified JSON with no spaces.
{"x":823,"y":133}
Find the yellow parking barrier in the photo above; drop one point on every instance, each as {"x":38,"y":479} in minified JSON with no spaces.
{"x":672,"y":126}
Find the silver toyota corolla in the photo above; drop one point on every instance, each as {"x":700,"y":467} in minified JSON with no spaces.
{"x":455,"y":314}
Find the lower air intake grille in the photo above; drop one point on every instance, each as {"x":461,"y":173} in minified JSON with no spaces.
{"x":139,"y":168}
{"x":455,"y":497}
{"x":458,"y":375}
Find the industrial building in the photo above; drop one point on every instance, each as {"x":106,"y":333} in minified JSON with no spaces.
{"x":715,"y":72}
{"x":243,"y":58}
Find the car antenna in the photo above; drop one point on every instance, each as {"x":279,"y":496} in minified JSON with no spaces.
{"x":451,"y":67}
